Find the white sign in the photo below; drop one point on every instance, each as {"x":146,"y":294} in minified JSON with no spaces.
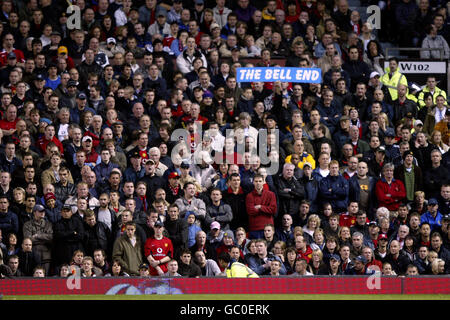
{"x":420,"y":66}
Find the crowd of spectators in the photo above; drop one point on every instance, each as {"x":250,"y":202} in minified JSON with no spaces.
{"x":346,"y":177}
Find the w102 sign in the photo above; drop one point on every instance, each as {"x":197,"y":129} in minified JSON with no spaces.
{"x":421,"y":66}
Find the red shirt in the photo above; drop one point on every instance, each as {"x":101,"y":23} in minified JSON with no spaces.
{"x":42,"y":144}
{"x":307,"y":255}
{"x":258,"y":218}
{"x":346,"y":220}
{"x":6,"y":125}
{"x":158,"y":249}
{"x":390,"y":195}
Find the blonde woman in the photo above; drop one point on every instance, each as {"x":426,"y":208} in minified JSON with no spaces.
{"x":438,"y":267}
{"x":316,"y":264}
{"x":311,"y":225}
{"x":436,"y":139}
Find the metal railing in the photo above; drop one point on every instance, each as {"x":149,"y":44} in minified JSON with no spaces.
{"x":441,"y":51}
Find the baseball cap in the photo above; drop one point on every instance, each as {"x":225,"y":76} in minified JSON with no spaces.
{"x":12,"y":55}
{"x":86,"y":138}
{"x":432,"y":202}
{"x":374,"y":74}
{"x":389,"y":132}
{"x":381,"y":149}
{"x":55,"y":33}
{"x":143,"y":266}
{"x":215,"y":225}
{"x":200,"y":2}
{"x":111,"y":40}
{"x":39,"y":77}
{"x":344,"y":118}
{"x":38,"y":207}
{"x":184,"y":165}
{"x":118,"y":123}
{"x":67,"y":207}
{"x":134,"y":154}
{"x":361,"y":259}
{"x":446,"y":217}
{"x":335,"y":257}
{"x":150,"y":161}
{"x":419,"y":122}
{"x":307,"y":164}
{"x":174,"y":175}
{"x":159,"y":223}
{"x":71,"y":83}
{"x":382,"y":236}
{"x":63,"y":49}
{"x":81,"y":96}
{"x":373,"y":223}
{"x":49,"y":195}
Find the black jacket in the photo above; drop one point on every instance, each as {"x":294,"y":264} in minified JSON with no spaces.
{"x":289,"y":201}
{"x":28,"y":261}
{"x":189,"y":270}
{"x":178,"y":233}
{"x":97,"y":237}
{"x":400,"y":264}
{"x":68,"y":237}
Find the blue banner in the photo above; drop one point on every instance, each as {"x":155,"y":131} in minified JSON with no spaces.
{"x":283,"y":74}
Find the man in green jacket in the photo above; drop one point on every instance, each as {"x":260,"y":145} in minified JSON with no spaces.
{"x":128,"y":250}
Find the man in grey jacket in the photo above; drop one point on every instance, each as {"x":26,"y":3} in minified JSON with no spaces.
{"x":40,"y":232}
{"x":208,"y":267}
{"x":190,"y":203}
{"x":434,"y":41}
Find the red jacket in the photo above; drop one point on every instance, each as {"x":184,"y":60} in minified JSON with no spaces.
{"x":307,"y":255}
{"x":42,"y":144}
{"x":390,"y":196}
{"x":258,"y":218}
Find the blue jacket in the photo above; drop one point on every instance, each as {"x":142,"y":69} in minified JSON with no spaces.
{"x":9,"y":166}
{"x":435,"y":223}
{"x":311,"y":193}
{"x":256,"y":264}
{"x":331,"y":113}
{"x":102,"y":171}
{"x":335,"y":189}
{"x":9,"y":223}
{"x":192,"y":231}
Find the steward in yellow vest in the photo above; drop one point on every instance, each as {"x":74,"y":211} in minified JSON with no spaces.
{"x":392,"y":78}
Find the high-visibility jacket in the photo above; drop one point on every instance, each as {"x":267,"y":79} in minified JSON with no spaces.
{"x":437,"y":92}
{"x":393,"y":82}
{"x":240,"y":270}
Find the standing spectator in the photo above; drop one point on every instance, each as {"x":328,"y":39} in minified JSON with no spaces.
{"x":68,"y":236}
{"x":40,"y":231}
{"x":261,"y":207}
{"x":177,"y":229}
{"x":158,"y":251}
{"x":390,"y":192}
{"x":434,"y":41}
{"x":334,"y":188}
{"x":128,"y":250}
